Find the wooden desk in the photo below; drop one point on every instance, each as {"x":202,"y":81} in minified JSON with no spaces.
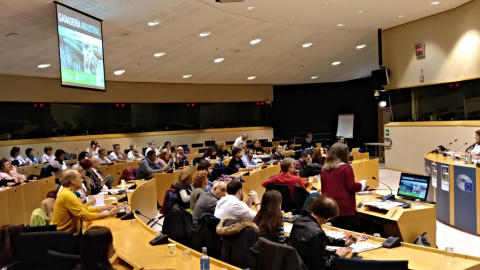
{"x":365,"y":169}
{"x":256,"y":178}
{"x":116,"y":170}
{"x":360,"y":156}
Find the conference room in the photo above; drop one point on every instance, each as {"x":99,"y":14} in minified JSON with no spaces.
{"x":398,"y":81}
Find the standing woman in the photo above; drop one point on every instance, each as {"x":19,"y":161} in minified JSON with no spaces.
{"x":269,"y":219}
{"x":338,"y":182}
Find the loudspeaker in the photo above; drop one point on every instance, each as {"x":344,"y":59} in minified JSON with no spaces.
{"x":391,"y":242}
{"x":159,"y":240}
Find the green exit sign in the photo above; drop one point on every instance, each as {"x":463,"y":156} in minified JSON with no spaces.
{"x":387,"y":132}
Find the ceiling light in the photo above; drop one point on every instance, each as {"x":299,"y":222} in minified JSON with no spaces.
{"x":250,"y":8}
{"x":327,"y":3}
{"x":336,"y":63}
{"x":306,"y":45}
{"x":187,"y":76}
{"x":119,"y":72}
{"x":218,"y":60}
{"x":43,"y":65}
{"x":255,"y":41}
{"x":314,"y":77}
{"x":251,"y":77}
{"x":293,"y":18}
{"x":361,"y":11}
{"x":401,"y":16}
{"x":153,"y":23}
{"x":159,"y":54}
{"x":434,"y":3}
{"x":204,"y":34}
{"x":340,"y":25}
{"x":361,"y":46}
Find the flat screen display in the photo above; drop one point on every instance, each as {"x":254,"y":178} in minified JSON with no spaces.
{"x":80,"y":43}
{"x":413,"y":186}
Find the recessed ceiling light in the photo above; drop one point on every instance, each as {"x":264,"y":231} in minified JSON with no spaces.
{"x":43,"y":65}
{"x":327,"y":3}
{"x":218,"y":60}
{"x":306,"y":45}
{"x":433,"y":3}
{"x":293,"y":18}
{"x":250,"y":8}
{"x":153,"y":23}
{"x":361,"y":11}
{"x":119,"y":72}
{"x":314,"y":77}
{"x":340,"y":25}
{"x":336,"y":63}
{"x":401,"y":16}
{"x":187,"y":76}
{"x":255,"y":41}
{"x":204,"y":34}
{"x":361,"y":46}
{"x":159,"y":54}
{"x":251,"y":77}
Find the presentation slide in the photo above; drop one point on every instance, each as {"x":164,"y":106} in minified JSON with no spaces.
{"x":80,"y":44}
{"x":416,"y":188}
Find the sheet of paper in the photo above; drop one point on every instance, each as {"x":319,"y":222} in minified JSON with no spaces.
{"x":288,"y":228}
{"x":99,"y":200}
{"x":357,"y":247}
{"x":383,"y":205}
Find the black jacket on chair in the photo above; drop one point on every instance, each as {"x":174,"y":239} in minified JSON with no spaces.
{"x":274,"y":256}
{"x":205,"y":235}
{"x":178,"y":225}
{"x":310,"y":241}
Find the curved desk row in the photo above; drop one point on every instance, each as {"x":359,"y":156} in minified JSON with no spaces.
{"x":456,"y":191}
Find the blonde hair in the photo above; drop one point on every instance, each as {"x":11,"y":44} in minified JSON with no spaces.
{"x":200,"y":179}
{"x":163,"y":153}
{"x":185,"y":175}
{"x":337,"y":154}
{"x":220,"y":144}
{"x":102,"y":150}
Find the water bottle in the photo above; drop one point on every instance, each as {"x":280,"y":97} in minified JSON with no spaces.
{"x":173,"y":165}
{"x":468,"y":159}
{"x":204,"y":260}
{"x":237,"y":176}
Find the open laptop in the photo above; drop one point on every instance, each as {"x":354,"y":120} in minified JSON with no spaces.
{"x":413,"y":186}
{"x":355,"y":150}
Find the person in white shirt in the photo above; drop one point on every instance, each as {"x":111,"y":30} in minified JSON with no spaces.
{"x":152,"y":145}
{"x":233,"y":206}
{"x":476,"y":147}
{"x":117,"y":156}
{"x":241,"y":141}
{"x":47,"y":157}
{"x":102,"y":156}
{"x":15,"y":156}
{"x":93,"y":149}
{"x":134,"y":154}
{"x":58,"y":164}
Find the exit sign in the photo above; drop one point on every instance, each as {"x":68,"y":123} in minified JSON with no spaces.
{"x":420,"y":49}
{"x":387,"y":132}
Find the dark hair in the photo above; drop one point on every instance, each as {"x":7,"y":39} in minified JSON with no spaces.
{"x":236,"y":150}
{"x":165,"y":144}
{"x":2,"y":163}
{"x":269,"y":219}
{"x":94,"y":142}
{"x":248,"y":150}
{"x":340,"y":137}
{"x":115,"y":145}
{"x":309,"y":134}
{"x":14,"y":150}
{"x":210,"y":151}
{"x":478,"y":132}
{"x":325,"y":207}
{"x":59,"y":152}
{"x":96,"y":243}
{"x":82,"y":155}
{"x":28,"y":151}
{"x":47,"y":148}
{"x":233,"y":187}
{"x":85,"y":164}
{"x":151,"y":153}
{"x":203,"y":165}
{"x":304,"y":154}
{"x":290,"y":142}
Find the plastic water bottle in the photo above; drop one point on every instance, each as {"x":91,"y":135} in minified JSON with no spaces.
{"x":237,"y":176}
{"x":204,"y":260}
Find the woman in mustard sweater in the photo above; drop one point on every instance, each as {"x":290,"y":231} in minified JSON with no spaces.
{"x":68,"y":211}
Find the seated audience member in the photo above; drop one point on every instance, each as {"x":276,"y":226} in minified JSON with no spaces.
{"x":338,"y":182}
{"x":117,"y":156}
{"x":168,"y":145}
{"x":207,"y":202}
{"x":278,"y":154}
{"x":308,"y":143}
{"x":58,"y":164}
{"x":222,"y":151}
{"x":48,"y":156}
{"x":289,"y":145}
{"x":96,"y":248}
{"x":134,"y":154}
{"x":86,"y":190}
{"x":241,"y":141}
{"x":165,"y":160}
{"x":257,"y":148}
{"x":270,"y":219}
{"x":9,"y":175}
{"x":68,"y":211}
{"x":152,"y":146}
{"x":236,"y":163}
{"x":232,"y":205}
{"x":341,"y":139}
{"x":287,"y":176}
{"x":98,"y":180}
{"x":93,"y":149}
{"x":30,"y":158}
{"x":248,"y":160}
{"x":102,"y":157}
{"x":319,"y":155}
{"x":184,"y":186}
{"x":211,"y":153}
{"x":308,"y":238}
{"x":302,"y":162}
{"x":83,"y":155}
{"x":180,"y":159}
{"x":16,"y":158}
{"x":148,"y":166}
{"x":199,"y":182}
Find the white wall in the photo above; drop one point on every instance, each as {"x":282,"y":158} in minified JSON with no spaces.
{"x":410,"y":141}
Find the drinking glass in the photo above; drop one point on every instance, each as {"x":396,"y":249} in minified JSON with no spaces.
{"x":449,"y":255}
{"x":377,"y":237}
{"x":186,"y":255}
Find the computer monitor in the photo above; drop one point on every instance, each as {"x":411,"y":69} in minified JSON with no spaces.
{"x":413,"y":186}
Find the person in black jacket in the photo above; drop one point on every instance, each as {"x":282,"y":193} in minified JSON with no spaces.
{"x":309,"y":239}
{"x":308,"y":143}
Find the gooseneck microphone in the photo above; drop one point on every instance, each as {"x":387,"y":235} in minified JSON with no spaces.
{"x":460,"y":147}
{"x":149,"y":219}
{"x":387,"y":197}
{"x":470,"y":147}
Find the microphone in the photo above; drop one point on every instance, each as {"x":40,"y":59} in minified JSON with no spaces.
{"x":460,"y":147}
{"x":470,"y":147}
{"x":149,"y":219}
{"x":127,"y":215}
{"x":442,"y":148}
{"x":159,"y":240}
{"x":387,"y":197}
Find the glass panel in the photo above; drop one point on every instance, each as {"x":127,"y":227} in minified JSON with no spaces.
{"x":441,"y":102}
{"x":401,"y":104}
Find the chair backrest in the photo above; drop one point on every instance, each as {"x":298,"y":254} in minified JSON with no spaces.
{"x":287,"y":200}
{"x":196,"y":160}
{"x":209,"y":143}
{"x":129,"y":173}
{"x":307,"y":206}
{"x":217,"y":172}
{"x":44,"y":228}
{"x":344,"y":264}
{"x":202,"y":150}
{"x":178,"y":225}
{"x":168,"y":201}
{"x":274,"y":256}
{"x":195,"y":145}
{"x":235,"y":249}
{"x":205,"y":235}
{"x":46,"y":171}
{"x":299,"y":196}
{"x":62,"y":261}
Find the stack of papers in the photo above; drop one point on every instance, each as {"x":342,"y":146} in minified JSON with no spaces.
{"x":336,"y":235}
{"x":384,"y":205}
{"x":357,"y":247}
